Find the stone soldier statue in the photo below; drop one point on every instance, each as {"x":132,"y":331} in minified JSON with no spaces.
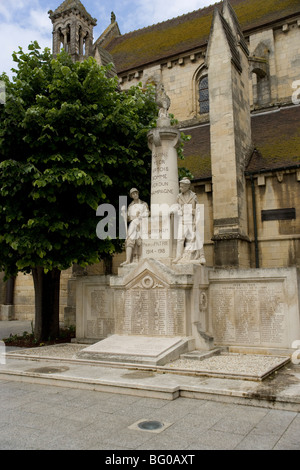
{"x":136,"y":212}
{"x":189,"y":244}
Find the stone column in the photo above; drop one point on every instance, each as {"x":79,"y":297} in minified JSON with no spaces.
{"x":56,"y":42}
{"x":73,"y":41}
{"x":64,"y":35}
{"x":81,"y":33}
{"x":163,"y":141}
{"x":230,"y":130}
{"x":88,"y":43}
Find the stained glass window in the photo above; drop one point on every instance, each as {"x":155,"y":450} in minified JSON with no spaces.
{"x":203,"y":95}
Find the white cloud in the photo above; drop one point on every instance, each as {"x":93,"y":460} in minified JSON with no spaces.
{"x":11,"y":37}
{"x":149,"y":12}
{"x":39,"y":20}
{"x":9,"y":9}
{"x":4,"y":12}
{"x":20,"y":24}
{"x":136,"y":14}
{"x":23,"y":21}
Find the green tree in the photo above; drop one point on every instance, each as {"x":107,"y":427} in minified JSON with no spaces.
{"x":70,"y":140}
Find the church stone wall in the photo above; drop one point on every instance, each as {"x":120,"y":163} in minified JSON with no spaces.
{"x":280,"y":47}
{"x":204,"y":195}
{"x":180,"y":87}
{"x":262,"y":44}
{"x":278,"y":240}
{"x":178,"y":77}
{"x":24,"y":304}
{"x":287,"y":51}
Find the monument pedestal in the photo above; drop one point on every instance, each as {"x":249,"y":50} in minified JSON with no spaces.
{"x":158,"y":308}
{"x":135,"y":349}
{"x":160,"y":243}
{"x":159,"y":312}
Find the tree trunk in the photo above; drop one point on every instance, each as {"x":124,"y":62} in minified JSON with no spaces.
{"x":9,"y":291}
{"x":108,"y":263}
{"x":46,"y":289}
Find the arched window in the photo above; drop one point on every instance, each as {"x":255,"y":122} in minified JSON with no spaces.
{"x":203,"y":95}
{"x":259,"y":66}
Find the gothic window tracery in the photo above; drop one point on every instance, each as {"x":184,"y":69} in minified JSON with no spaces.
{"x":203,"y":95}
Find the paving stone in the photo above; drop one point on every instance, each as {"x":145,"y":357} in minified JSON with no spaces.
{"x":35,"y":416}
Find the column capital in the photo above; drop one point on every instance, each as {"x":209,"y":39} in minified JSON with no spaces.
{"x":158,"y":134}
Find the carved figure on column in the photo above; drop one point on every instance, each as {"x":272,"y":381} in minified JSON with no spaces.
{"x":162,"y":100}
{"x":136,"y":212}
{"x":189,"y":243}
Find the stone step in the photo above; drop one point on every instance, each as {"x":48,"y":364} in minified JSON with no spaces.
{"x":201,"y":355}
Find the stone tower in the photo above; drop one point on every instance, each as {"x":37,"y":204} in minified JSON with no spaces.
{"x":230,"y":132}
{"x":72,"y":30}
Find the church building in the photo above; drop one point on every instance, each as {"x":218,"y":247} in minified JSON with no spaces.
{"x":232,"y":73}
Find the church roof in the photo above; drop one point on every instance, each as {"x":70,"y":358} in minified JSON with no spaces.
{"x":275,"y":136}
{"x":197,"y":152}
{"x":187,"y":32}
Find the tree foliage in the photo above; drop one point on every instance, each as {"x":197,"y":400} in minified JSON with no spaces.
{"x":70,"y":140}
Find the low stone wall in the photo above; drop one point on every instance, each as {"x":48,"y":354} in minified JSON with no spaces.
{"x":254,"y":307}
{"x":148,"y":299}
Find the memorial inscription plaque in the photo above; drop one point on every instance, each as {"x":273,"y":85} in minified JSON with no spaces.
{"x":99,"y":320}
{"x":150,"y":309}
{"x":161,"y":184}
{"x":249,"y":313}
{"x":156,"y":248}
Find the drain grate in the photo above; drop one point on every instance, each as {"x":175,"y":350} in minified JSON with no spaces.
{"x":138,"y":375}
{"x":150,"y":425}
{"x":48,"y":370}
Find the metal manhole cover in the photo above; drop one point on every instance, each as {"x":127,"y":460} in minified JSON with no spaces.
{"x":48,"y":370}
{"x":150,"y":425}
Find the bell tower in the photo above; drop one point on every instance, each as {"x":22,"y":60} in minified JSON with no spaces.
{"x":72,"y":30}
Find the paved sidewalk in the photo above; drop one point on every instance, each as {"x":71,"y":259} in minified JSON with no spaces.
{"x":47,"y":417}
{"x":14,"y":327}
{"x":52,"y":404}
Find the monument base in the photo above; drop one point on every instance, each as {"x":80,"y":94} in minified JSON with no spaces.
{"x":255,"y":310}
{"x":148,"y":350}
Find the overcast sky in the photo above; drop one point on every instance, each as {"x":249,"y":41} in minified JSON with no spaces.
{"x":23,"y":21}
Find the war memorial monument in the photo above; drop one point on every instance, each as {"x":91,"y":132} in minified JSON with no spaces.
{"x":212,"y":264}
{"x":164,"y":301}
